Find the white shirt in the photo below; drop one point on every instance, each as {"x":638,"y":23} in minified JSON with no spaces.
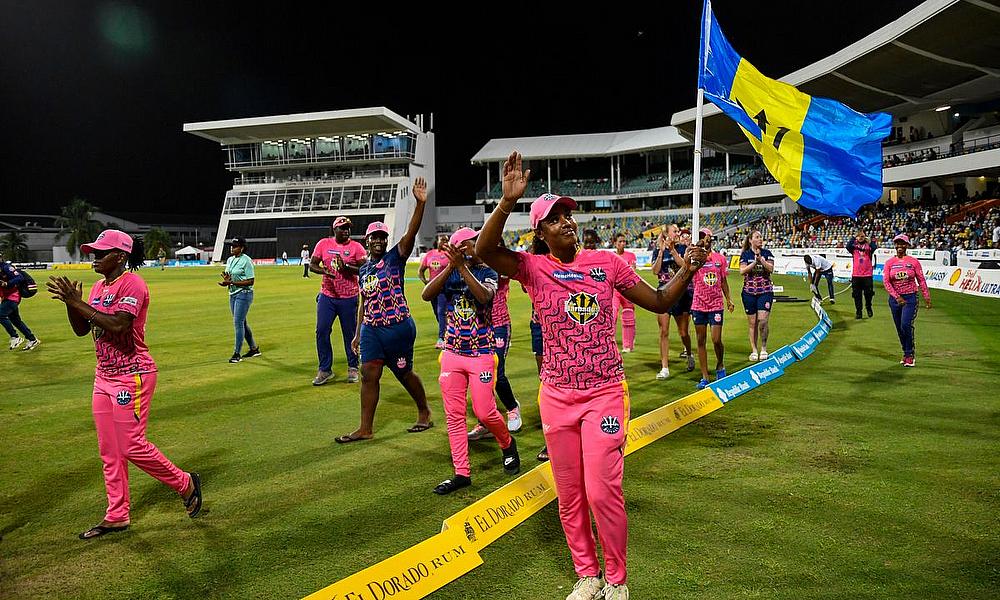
{"x":996,"y":234}
{"x":821,"y":264}
{"x":305,"y":256}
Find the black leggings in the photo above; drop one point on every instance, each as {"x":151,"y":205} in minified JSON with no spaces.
{"x":862,"y":286}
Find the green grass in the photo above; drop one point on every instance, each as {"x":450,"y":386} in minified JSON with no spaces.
{"x":850,"y":477}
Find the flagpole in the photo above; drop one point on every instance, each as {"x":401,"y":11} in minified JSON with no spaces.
{"x":696,"y":205}
{"x":706,"y":31}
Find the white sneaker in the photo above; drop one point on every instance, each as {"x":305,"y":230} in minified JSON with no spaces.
{"x":763,"y":355}
{"x":479,"y":432}
{"x":626,"y":350}
{"x":753,"y":356}
{"x":587,"y":588}
{"x":616,"y":591}
{"x":31,"y":345}
{"x":17,"y":341}
{"x":663,"y":374}
{"x":514,"y":419}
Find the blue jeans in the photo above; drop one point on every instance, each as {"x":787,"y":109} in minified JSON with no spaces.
{"x":904,"y":316}
{"x":327,"y":311}
{"x":829,"y":282}
{"x":10,"y":318}
{"x":440,"y":304}
{"x":239,"y":304}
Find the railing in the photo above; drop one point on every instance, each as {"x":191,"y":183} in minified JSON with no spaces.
{"x":245,"y":179}
{"x":363,"y":155}
{"x":310,"y":200}
{"x":990,"y":142}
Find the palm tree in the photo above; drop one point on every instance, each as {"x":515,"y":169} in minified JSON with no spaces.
{"x":77,"y":224}
{"x":156,"y":239}
{"x":14,"y":246}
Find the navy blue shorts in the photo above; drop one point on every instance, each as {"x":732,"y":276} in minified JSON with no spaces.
{"x":701,"y":317}
{"x":683,"y":305}
{"x":536,"y":338}
{"x":392,"y":345}
{"x":752,"y":303}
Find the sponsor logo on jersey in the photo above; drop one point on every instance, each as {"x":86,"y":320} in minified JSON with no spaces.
{"x":486,"y":376}
{"x":123,"y":398}
{"x":610,"y":425}
{"x":567,"y":275}
{"x":582,"y":307}
{"x":129,"y":300}
{"x":598,"y":274}
{"x":370,"y":283}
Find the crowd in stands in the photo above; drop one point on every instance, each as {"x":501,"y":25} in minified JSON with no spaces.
{"x":972,"y":225}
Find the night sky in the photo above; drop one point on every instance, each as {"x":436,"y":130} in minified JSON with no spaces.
{"x":93,"y":96}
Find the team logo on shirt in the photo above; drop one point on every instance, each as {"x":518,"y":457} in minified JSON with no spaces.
{"x":901,"y":275}
{"x":401,"y":363}
{"x":598,"y":274}
{"x":370,"y":283}
{"x":610,"y":425}
{"x":486,"y":376}
{"x":109,"y":300}
{"x":123,"y":398}
{"x":435,"y":264}
{"x":710,"y":279}
{"x":582,"y":307}
{"x":465,"y":310}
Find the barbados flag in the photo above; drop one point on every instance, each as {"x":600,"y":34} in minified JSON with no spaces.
{"x":825,"y":155}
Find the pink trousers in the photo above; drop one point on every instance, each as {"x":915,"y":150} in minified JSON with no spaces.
{"x":628,"y":319}
{"x":121,"y":410}
{"x":585,"y":433}
{"x":477,"y":376}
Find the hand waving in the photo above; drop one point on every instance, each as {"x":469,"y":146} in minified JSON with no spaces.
{"x":420,"y":190}
{"x":515,"y":181}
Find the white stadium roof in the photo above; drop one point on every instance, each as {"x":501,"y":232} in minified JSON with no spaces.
{"x":582,"y":145}
{"x":941,"y":52}
{"x":283,"y":127}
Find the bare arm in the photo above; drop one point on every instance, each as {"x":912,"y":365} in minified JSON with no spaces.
{"x":356,"y":342}
{"x":503,"y":261}
{"x":725,"y":292}
{"x":661,"y":245}
{"x":316,"y":266}
{"x":422,"y":274}
{"x":660,"y":301}
{"x":436,"y":286}
{"x":83,"y":316}
{"x":405,"y":244}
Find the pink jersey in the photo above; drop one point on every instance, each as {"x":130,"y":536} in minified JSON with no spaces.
{"x":501,"y":316}
{"x":436,"y":261}
{"x":862,"y":265}
{"x":10,"y":292}
{"x":708,"y":284}
{"x":629,"y":259}
{"x":345,"y":284}
{"x":573,"y":301}
{"x":122,"y":353}
{"x":904,"y":276}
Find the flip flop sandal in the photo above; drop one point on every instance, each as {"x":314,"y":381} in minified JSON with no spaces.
{"x":99,"y":530}
{"x":418,"y":427}
{"x":347,"y":439}
{"x":195,"y":499}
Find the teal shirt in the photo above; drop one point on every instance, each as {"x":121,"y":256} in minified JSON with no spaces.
{"x":240,"y":268}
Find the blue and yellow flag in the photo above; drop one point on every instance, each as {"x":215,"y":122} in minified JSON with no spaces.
{"x":825,"y":155}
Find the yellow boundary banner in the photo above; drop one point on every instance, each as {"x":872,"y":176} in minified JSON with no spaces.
{"x":435,"y":562}
{"x":72,"y":266}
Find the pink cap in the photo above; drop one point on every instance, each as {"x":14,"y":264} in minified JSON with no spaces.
{"x":465,"y":233}
{"x":541,"y":207}
{"x":376,"y":227}
{"x":705,"y":231}
{"x":109,"y":239}
{"x":340,"y":222}
{"x":902,"y":238}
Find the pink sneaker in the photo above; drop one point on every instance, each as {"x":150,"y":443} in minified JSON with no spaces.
{"x":908,"y":362}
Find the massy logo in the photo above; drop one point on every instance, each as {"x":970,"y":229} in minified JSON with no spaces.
{"x":370,"y":283}
{"x":465,"y":310}
{"x":710,"y":279}
{"x":582,"y":307}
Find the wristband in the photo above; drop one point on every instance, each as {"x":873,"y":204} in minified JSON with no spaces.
{"x":500,"y":208}
{"x":92,"y":315}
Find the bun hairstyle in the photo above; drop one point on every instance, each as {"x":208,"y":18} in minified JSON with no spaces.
{"x":138,"y":254}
